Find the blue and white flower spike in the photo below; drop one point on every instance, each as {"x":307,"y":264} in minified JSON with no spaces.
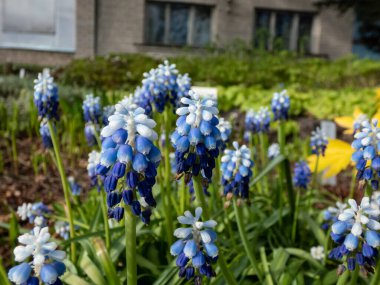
{"x":159,"y":87}
{"x":318,"y":142}
{"x":196,"y":139}
{"x":74,"y":186}
{"x":107,"y":112}
{"x":93,"y":161}
{"x":302,"y":175}
{"x":262,"y":120}
{"x":236,"y":171}
{"x":46,"y":96}
{"x":129,"y":156}
{"x":46,"y":260}
{"x":273,"y":150}
{"x":184,"y":85}
{"x":92,"y":112}
{"x":225,"y":129}
{"x":250,"y":124}
{"x":195,"y":250}
{"x":280,"y":105}
{"x":62,"y":229}
{"x":31,"y":212}
{"x":357,"y":234}
{"x":45,"y":134}
{"x":366,"y":155}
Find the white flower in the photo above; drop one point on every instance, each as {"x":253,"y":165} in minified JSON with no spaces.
{"x":274,"y":150}
{"x":197,"y":110}
{"x":360,"y":216}
{"x":24,"y":211}
{"x":239,"y":159}
{"x":317,"y":252}
{"x":37,"y":244}
{"x":126,"y":105}
{"x":39,"y":221}
{"x":134,"y":122}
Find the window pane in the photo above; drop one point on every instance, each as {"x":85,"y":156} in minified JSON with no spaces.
{"x":179,"y":15}
{"x":155,"y":23}
{"x":304,"y":32}
{"x":202,"y":26}
{"x":283,"y":26}
{"x":262,"y":29}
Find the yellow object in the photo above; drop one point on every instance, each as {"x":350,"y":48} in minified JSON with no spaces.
{"x":347,"y":122}
{"x":337,"y":158}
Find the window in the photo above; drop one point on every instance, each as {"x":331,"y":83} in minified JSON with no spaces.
{"x":279,"y":30}
{"x":177,"y":24}
{"x":38,"y":24}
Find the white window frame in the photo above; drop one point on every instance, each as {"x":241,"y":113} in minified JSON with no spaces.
{"x":62,"y":40}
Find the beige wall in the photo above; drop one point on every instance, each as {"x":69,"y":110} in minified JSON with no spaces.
{"x":120,"y":27}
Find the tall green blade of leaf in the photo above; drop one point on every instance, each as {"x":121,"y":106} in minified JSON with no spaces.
{"x":72,"y":279}
{"x":91,"y":270}
{"x":271,"y":165}
{"x":3,"y":274}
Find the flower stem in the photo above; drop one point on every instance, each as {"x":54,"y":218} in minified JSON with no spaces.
{"x":244,"y":239}
{"x":202,"y":201}
{"x":130,"y":245}
{"x":65,"y":186}
{"x":376,"y":277}
{"x":315,"y":174}
{"x":105,"y":219}
{"x":264,"y":151}
{"x":295,"y":219}
{"x":268,"y":277}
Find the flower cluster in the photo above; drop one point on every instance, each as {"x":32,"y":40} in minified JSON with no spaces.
{"x":162,"y":85}
{"x":45,"y":134}
{"x":46,"y":260}
{"x":331,"y":214}
{"x":74,"y":186}
{"x":366,"y":155}
{"x":196,"y":139}
{"x":250,"y":125}
{"x":46,"y":96}
{"x":225,"y":129}
{"x":317,"y":252}
{"x":92,"y":112}
{"x":62,"y":229}
{"x":273,"y":150}
{"x":318,"y":142}
{"x":35,"y":213}
{"x":262,"y":120}
{"x":129,"y":161}
{"x":357,"y":234}
{"x":302,"y":175}
{"x":92,"y":163}
{"x":280,"y":105}
{"x":107,"y":112}
{"x":196,"y":249}
{"x":236,"y":171}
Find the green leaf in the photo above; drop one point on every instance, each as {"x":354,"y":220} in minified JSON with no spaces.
{"x":3,"y":274}
{"x":91,"y":270}
{"x":316,"y":229}
{"x":72,"y":279}
{"x":105,"y":261}
{"x":278,"y":264}
{"x":304,"y":255}
{"x":271,"y":165}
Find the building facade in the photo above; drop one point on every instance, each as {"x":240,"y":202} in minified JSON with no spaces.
{"x":55,"y":32}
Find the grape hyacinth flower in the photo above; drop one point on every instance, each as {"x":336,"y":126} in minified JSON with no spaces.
{"x":302,"y":175}
{"x":45,"y":134}
{"x":331,"y":214}
{"x":236,"y":171}
{"x":250,"y":125}
{"x":31,"y":212}
{"x":92,"y":112}
{"x":184,"y":85}
{"x":318,"y":142}
{"x":225,"y":129}
{"x":107,"y":112}
{"x":273,"y":150}
{"x":160,"y":86}
{"x":74,"y":186}
{"x":280,"y":105}
{"x":357,"y":234}
{"x":195,"y":250}
{"x":262,"y":120}
{"x":46,"y":96}
{"x":62,"y":229}
{"x":93,"y":161}
{"x":196,"y":139}
{"x":366,"y":155}
{"x":317,"y":252}
{"x":129,"y":161}
{"x":39,"y":254}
